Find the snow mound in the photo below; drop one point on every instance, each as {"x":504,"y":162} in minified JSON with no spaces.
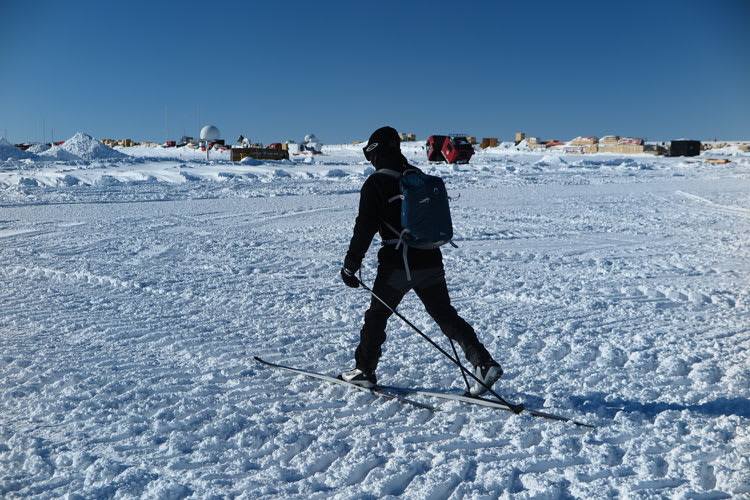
{"x":336,"y":172}
{"x":38,"y":148}
{"x":250,"y":161}
{"x":550,"y":160}
{"x":9,"y":152}
{"x":59,"y":154}
{"x":86,"y":147}
{"x":69,"y":180}
{"x":523,"y":146}
{"x":28,"y":182}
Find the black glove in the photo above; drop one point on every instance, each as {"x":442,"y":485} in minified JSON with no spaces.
{"x":347,"y":275}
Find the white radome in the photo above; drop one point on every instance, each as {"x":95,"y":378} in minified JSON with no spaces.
{"x":210,"y":133}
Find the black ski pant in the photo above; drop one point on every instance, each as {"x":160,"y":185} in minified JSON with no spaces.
{"x":429,"y":284}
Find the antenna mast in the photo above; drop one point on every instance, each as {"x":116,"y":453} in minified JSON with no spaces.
{"x":166,"y":126}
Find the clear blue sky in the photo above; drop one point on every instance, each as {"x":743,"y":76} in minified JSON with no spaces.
{"x":278,"y":70}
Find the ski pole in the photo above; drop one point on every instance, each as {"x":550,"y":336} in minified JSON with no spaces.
{"x":455,"y":353}
{"x":515,"y":408}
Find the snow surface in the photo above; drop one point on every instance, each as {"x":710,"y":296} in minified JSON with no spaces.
{"x":135,"y":292}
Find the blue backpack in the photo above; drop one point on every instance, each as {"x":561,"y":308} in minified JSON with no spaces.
{"x":425,"y":213}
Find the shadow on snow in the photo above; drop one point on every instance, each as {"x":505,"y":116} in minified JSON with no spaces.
{"x":598,"y":404}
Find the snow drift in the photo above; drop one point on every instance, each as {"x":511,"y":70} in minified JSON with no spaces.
{"x":9,"y":151}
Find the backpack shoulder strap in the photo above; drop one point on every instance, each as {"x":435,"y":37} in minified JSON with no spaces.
{"x":388,"y":171}
{"x":395,"y":175}
{"x":412,"y":170}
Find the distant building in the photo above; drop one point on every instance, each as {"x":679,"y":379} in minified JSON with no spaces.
{"x":244,"y":141}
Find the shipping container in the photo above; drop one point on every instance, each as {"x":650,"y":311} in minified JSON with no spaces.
{"x":237,"y":154}
{"x":489,"y":142}
{"x":684,"y":148}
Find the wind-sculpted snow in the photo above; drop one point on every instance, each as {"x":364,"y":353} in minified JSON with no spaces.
{"x":135,"y":294}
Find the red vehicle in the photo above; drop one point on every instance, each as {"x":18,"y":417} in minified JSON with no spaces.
{"x":451,"y":149}
{"x":435,"y":147}
{"x":457,"y":150}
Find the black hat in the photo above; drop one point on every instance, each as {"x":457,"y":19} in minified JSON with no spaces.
{"x":383,"y":139}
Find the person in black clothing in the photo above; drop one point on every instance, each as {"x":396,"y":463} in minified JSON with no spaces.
{"x":376,"y":212}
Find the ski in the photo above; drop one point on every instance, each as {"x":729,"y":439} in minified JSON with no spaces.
{"x":399,"y":394}
{"x":476,"y":400}
{"x":384,"y":392}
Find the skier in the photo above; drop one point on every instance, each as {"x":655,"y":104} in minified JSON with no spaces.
{"x":376,"y":212}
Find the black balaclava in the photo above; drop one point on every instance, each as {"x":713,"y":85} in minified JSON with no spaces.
{"x":383,"y":150}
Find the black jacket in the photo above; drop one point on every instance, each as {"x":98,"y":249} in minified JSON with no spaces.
{"x":374,"y":212}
